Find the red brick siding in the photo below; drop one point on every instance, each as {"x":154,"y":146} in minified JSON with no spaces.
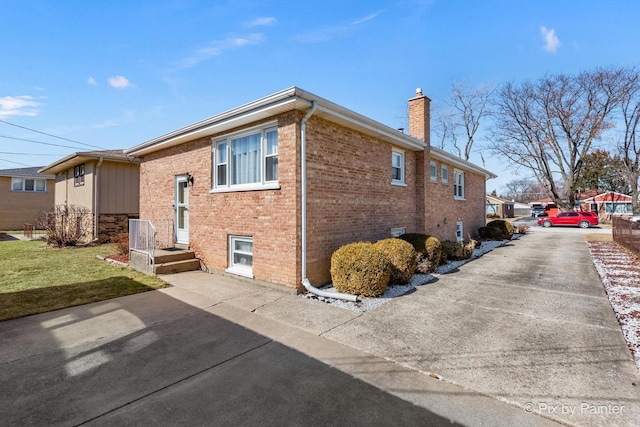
{"x":442,"y":210}
{"x":269,"y":216}
{"x":350,"y":195}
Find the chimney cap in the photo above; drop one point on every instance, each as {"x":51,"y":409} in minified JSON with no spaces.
{"x":419,"y":91}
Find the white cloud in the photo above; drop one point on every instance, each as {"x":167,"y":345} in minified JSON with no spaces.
{"x":366,"y":18}
{"x":329,"y":33}
{"x":216,"y":48}
{"x":92,"y":81}
{"x":18,"y":106}
{"x":551,"y":41}
{"x":119,"y":82}
{"x":263,"y":21}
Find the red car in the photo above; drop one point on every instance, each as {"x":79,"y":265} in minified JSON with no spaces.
{"x":581,"y":219}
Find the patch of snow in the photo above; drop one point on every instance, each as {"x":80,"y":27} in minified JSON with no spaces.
{"x":394,"y":291}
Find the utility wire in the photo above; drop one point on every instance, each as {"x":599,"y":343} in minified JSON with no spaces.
{"x":37,"y":142}
{"x":17,"y":163}
{"x":53,"y":136}
{"x":28,"y":154}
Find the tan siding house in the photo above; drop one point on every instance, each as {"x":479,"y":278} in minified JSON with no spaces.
{"x":24,"y":194}
{"x":107,"y":183}
{"x":270,"y":189}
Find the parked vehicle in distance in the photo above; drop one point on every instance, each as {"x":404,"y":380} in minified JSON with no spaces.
{"x":537,"y":211}
{"x":580,"y":219}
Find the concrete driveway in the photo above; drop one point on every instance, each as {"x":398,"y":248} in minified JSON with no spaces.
{"x":522,"y":336}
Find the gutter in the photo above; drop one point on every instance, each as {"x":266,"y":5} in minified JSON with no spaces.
{"x":303,"y":179}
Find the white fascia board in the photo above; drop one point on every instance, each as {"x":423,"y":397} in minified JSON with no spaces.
{"x":244,"y":114}
{"x":371,"y":127}
{"x":438,"y":154}
{"x":289,"y":99}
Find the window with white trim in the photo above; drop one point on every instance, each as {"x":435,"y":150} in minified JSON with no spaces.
{"x":78,"y":175}
{"x":398,"y":231}
{"x":246,"y":160}
{"x":444,"y":174}
{"x":433,"y":171}
{"x":29,"y":185}
{"x":241,"y":255}
{"x":397,"y":166}
{"x":459,"y":231}
{"x":458,"y":184}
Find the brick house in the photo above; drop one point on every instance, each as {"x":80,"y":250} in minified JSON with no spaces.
{"x":270,"y":189}
{"x":24,"y":194}
{"x":605,"y":204}
{"x":107,"y":183}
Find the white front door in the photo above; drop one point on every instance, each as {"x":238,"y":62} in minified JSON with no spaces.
{"x":182,"y":209}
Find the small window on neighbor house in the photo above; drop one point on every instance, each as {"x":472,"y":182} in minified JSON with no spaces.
{"x":78,"y":175}
{"x":398,"y":231}
{"x":458,"y":185}
{"x":459,"y":231}
{"x":433,"y":171}
{"x":28,"y":185}
{"x":241,"y":255}
{"x":397,"y":166}
{"x":444,"y":174}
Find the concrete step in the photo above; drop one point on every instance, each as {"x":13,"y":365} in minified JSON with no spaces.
{"x":177,"y":266}
{"x":163,"y":256}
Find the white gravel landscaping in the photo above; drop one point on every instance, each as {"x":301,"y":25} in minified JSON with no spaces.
{"x":620,"y":274}
{"x":368,"y":304}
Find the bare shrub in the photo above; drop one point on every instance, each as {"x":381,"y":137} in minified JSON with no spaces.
{"x":66,"y":225}
{"x":121,"y":240}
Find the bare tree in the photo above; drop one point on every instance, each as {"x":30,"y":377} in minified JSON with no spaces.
{"x":629,"y":147}
{"x":523,"y":190}
{"x":457,"y":125}
{"x":547,"y":126}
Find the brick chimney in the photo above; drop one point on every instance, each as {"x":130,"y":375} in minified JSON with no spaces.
{"x":419,"y":117}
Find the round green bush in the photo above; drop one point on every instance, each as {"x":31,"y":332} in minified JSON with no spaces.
{"x":402,"y":257}
{"x":360,"y":269}
{"x":504,"y":226}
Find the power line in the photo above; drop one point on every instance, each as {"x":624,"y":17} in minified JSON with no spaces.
{"x":17,"y":163}
{"x":27,"y":154}
{"x":53,"y":136}
{"x":37,"y":142}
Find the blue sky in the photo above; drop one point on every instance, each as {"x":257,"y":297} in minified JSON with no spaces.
{"x":115,"y":74}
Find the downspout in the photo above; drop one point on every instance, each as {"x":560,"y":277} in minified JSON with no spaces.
{"x":303,"y":179}
{"x":95,"y":202}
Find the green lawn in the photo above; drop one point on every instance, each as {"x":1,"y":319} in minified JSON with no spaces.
{"x":35,"y":278}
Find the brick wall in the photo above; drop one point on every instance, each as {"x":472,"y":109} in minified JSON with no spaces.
{"x":349,"y":195}
{"x":110,"y":225}
{"x":442,"y":210}
{"x":269,"y":216}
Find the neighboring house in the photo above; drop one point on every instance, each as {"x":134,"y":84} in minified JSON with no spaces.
{"x":107,"y":183}
{"x":501,"y":207}
{"x":24,"y":194}
{"x":270,"y":189}
{"x":606,"y":204}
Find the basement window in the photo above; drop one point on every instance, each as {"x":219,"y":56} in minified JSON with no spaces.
{"x":241,"y":255}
